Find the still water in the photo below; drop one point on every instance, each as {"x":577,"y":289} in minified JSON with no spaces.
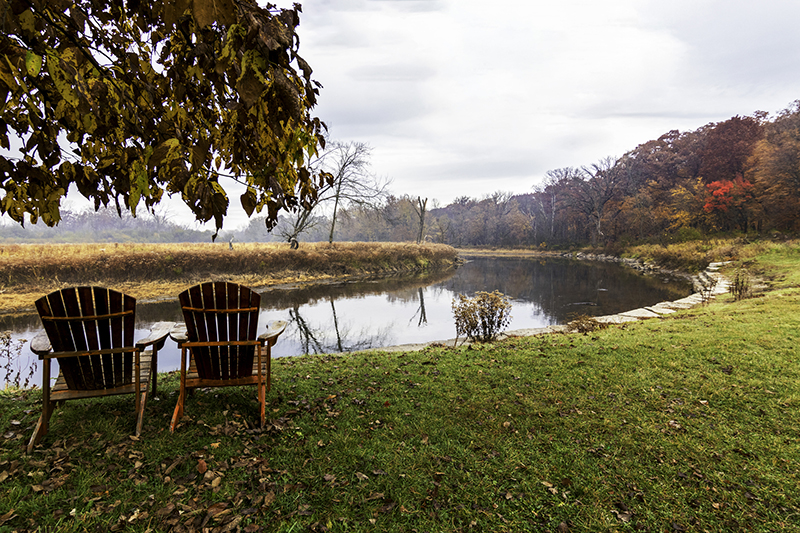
{"x":352,"y":316}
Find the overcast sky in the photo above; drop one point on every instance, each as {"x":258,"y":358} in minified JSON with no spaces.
{"x":469,"y":97}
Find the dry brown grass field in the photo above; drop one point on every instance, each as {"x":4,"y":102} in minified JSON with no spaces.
{"x":148,"y":271}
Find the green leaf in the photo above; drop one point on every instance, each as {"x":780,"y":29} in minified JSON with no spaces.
{"x":89,"y":123}
{"x":33,"y":63}
{"x":27,"y":21}
{"x":60,"y":79}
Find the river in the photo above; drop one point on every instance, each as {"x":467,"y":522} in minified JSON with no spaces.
{"x":357,"y":315}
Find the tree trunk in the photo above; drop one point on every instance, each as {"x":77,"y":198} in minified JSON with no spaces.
{"x":335,"y":209}
{"x":421,"y":213}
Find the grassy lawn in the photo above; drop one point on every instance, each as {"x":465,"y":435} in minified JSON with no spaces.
{"x":686,"y":423}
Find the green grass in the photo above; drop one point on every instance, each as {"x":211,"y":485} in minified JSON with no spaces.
{"x":686,"y":423}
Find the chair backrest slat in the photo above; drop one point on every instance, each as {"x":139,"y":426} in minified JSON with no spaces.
{"x":87,"y":319}
{"x":90,"y":330}
{"x":221,"y":301}
{"x":219,"y":311}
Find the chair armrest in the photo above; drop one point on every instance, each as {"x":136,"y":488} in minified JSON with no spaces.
{"x":178,"y":333}
{"x":274,"y":328}
{"x":40,"y":345}
{"x":158,"y":335}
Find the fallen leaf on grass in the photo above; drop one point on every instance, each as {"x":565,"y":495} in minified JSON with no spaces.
{"x":362,"y":477}
{"x":216,"y":509}
{"x":387,"y":507}
{"x":166,"y":510}
{"x":201,"y":466}
{"x":6,"y":517}
{"x":304,"y":509}
{"x":623,"y":516}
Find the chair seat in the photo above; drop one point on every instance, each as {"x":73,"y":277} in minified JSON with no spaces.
{"x":61,"y":391}
{"x":193,"y":379}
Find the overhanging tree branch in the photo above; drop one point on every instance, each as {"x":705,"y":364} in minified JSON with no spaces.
{"x":219,"y":85}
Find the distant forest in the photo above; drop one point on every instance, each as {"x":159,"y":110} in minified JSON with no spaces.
{"x":740,"y":175}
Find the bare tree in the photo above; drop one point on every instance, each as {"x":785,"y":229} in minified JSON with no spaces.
{"x":353,"y":182}
{"x":344,"y":170}
{"x":419,"y":209}
{"x":547,"y":195}
{"x":593,"y":192}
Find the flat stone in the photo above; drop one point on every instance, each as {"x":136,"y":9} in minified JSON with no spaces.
{"x":674,"y":305}
{"x":661,"y":310}
{"x":534,"y":331}
{"x":691,"y":300}
{"x":615,"y":319}
{"x":640,"y":313}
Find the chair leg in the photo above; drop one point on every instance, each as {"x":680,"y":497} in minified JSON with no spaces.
{"x":47,"y":408}
{"x":41,"y":426}
{"x":176,"y":416}
{"x":262,"y":402}
{"x":137,"y":382}
{"x":154,"y":371}
{"x":269,"y":368}
{"x":140,"y":413}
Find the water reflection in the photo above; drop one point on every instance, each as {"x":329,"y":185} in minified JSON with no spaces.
{"x":345,"y":317}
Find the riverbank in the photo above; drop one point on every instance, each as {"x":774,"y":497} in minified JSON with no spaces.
{"x":688,"y":422}
{"x":155,"y":271}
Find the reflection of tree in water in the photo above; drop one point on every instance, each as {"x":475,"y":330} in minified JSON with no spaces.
{"x":395,"y":287}
{"x":423,"y":316}
{"x":333,"y":337}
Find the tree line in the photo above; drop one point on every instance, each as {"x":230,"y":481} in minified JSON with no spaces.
{"x":741,"y":174}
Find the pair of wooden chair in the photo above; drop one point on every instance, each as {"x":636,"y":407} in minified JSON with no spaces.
{"x":90,"y":331}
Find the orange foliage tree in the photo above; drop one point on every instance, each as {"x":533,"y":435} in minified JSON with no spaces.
{"x":728,"y":202}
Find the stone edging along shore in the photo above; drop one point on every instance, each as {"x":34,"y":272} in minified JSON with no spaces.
{"x":707,"y":285}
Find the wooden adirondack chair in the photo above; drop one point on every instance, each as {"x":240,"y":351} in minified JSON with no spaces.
{"x":220,"y":345}
{"x":90,"y":330}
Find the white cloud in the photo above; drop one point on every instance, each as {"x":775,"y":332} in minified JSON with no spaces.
{"x":467,"y":97}
{"x":461,"y":97}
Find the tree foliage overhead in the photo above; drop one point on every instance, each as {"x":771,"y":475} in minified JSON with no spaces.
{"x":129,"y":100}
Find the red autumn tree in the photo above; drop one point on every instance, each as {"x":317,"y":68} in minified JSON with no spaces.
{"x":728,"y":201}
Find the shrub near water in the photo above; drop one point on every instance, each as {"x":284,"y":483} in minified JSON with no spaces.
{"x":483,"y":317}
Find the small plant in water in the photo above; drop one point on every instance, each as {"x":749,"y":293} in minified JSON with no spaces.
{"x":707,"y":284}
{"x":483,"y":317}
{"x":11,"y":363}
{"x":740,"y":284}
